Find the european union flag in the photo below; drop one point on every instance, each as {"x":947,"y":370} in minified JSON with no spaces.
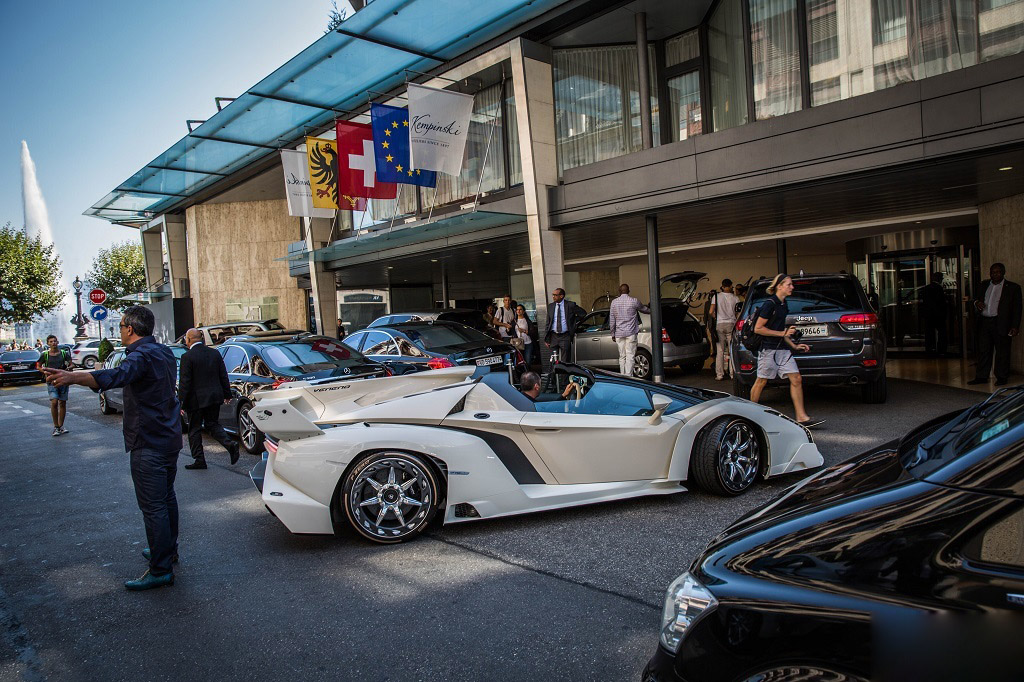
{"x":391,"y":147}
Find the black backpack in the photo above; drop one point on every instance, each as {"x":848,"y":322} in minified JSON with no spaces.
{"x":748,"y":338}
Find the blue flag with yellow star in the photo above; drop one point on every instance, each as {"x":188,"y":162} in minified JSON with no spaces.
{"x":391,"y":147}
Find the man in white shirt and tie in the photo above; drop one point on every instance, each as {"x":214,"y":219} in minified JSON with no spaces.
{"x":563,"y":316}
{"x":999,"y":308}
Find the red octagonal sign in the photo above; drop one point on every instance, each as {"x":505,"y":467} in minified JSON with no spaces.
{"x":97,"y":296}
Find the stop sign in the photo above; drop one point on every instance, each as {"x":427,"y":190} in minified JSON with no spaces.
{"x":97,"y":296}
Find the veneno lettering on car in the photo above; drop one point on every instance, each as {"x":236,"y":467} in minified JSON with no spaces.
{"x":331,"y":388}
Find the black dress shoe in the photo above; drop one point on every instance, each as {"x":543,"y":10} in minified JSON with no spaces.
{"x":233,"y":451}
{"x":198,"y":464}
{"x":148,"y":581}
{"x":975,"y":382}
{"x":149,"y":555}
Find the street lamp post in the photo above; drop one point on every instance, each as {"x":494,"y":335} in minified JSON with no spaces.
{"x":79,"y":319}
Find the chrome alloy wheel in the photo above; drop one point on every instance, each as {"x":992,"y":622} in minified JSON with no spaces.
{"x":641,"y":366}
{"x":247,"y":430}
{"x":738,"y":456}
{"x":391,"y":498}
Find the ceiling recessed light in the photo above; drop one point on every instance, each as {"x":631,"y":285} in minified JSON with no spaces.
{"x":1006,"y":168}
{"x":391,"y":267}
{"x":486,"y":251}
{"x":469,"y":272}
{"x":433,"y":260}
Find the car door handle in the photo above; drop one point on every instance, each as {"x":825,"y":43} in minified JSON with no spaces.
{"x":596,"y":338}
{"x":541,"y":429}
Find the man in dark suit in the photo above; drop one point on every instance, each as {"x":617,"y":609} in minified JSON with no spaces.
{"x":563,"y":317}
{"x":202,"y":387}
{"x":999,"y":313}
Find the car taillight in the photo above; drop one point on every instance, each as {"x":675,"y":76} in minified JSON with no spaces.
{"x":869,"y":363}
{"x":439,"y":363}
{"x":746,"y":367}
{"x":270,"y":445}
{"x":277,"y":383}
{"x":388,"y":372}
{"x":739,"y":324}
{"x":858,"y":321}
{"x":665,"y":338}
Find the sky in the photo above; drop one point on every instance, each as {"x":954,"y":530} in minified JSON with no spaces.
{"x":98,"y":89}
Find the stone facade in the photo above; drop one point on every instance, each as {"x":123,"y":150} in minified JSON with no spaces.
{"x":1000,"y":228}
{"x":232,"y":249}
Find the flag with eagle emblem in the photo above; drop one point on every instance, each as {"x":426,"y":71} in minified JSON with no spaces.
{"x":322,"y":156}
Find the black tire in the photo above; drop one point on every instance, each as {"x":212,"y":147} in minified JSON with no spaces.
{"x":89,"y":362}
{"x":875,"y":392}
{"x":740,"y":389}
{"x":105,"y":407}
{"x":249,"y":437}
{"x":643,"y":364}
{"x":407,"y":483}
{"x":721,"y":462}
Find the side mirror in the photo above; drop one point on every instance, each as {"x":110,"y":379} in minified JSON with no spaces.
{"x":661,"y":403}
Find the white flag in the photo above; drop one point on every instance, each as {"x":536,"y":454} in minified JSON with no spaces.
{"x":296,"y":186}
{"x":438,"y":128}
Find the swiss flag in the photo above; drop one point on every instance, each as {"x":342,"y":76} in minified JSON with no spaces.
{"x":357,"y":169}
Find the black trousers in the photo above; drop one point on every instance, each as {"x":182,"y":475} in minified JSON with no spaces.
{"x":935,"y":334}
{"x":206,"y":418}
{"x":563,"y":343}
{"x":992,"y":346}
{"x":153,"y":476}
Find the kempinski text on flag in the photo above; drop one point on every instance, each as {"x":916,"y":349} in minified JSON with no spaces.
{"x":391,"y":147}
{"x":297,"y":186}
{"x":439,"y":126}
{"x":357,"y":172}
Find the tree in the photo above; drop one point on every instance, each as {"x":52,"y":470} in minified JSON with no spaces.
{"x":119,"y":272}
{"x":335,"y":17}
{"x":30,"y":277}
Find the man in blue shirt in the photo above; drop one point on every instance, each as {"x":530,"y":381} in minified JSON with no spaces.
{"x":152,"y":434}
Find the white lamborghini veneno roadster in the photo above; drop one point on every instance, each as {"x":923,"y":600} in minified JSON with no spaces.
{"x":386,"y":457}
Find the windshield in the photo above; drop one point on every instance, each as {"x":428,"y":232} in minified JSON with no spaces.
{"x":435,"y":336}
{"x":14,"y":356}
{"x":472,"y":319}
{"x":811,"y":295}
{"x":974,"y":427}
{"x":310,"y":355}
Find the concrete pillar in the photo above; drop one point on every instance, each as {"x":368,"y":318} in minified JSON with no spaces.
{"x":654,"y":280}
{"x":325,"y":292}
{"x":533,"y":86}
{"x":1000,"y":225}
{"x":177,"y":255}
{"x":153,"y":255}
{"x":780,"y":254}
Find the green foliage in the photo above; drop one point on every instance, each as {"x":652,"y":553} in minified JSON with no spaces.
{"x":335,"y":18}
{"x":119,"y":272}
{"x":29,"y":277}
{"x":105,"y":349}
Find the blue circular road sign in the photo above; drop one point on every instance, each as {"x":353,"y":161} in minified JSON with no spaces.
{"x":98,"y":313}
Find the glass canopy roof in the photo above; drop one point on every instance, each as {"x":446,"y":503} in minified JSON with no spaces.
{"x":328,"y":79}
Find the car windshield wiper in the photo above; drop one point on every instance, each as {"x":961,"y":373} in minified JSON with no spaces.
{"x":821,"y":307}
{"x":982,"y":410}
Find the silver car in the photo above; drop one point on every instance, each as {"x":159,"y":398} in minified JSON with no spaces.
{"x":684,"y":340}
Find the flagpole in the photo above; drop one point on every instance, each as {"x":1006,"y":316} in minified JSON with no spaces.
{"x":433,"y":199}
{"x":398,"y":200}
{"x":487,"y":149}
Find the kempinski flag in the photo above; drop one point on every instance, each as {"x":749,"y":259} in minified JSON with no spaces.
{"x":357,"y":170}
{"x":438,"y":128}
{"x":391,"y":147}
{"x":297,"y":186}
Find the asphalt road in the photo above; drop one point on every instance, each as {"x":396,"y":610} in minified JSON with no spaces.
{"x":561,"y":595}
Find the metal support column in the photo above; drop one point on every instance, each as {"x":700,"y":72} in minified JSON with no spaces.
{"x":654,"y":275}
{"x":444,"y":285}
{"x":643,"y":66}
{"x":780,"y":254}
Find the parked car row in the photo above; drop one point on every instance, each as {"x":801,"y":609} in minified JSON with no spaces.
{"x":19,"y":365}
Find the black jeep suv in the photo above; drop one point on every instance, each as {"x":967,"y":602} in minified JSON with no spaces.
{"x":833,"y":317}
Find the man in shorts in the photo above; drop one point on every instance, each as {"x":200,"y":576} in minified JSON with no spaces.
{"x":775,"y":359}
{"x":56,"y":357}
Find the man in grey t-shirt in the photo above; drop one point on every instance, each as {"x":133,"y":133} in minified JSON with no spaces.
{"x":56,"y":357}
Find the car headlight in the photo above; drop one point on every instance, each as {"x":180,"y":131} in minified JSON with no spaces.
{"x":686,"y":601}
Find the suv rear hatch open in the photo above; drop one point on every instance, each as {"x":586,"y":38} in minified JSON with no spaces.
{"x":677,"y":289}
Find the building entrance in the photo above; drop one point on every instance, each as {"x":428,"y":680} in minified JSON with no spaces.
{"x":919,"y":296}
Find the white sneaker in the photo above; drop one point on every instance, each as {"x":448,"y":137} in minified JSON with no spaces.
{"x":63,"y":430}
{"x":56,"y":430}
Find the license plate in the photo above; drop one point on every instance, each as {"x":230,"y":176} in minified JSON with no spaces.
{"x":14,"y":367}
{"x":814,"y":330}
{"x":489,"y":361}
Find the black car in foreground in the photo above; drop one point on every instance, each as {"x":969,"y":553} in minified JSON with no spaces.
{"x":19,"y":365}
{"x":904,"y":563}
{"x":416,"y":346}
{"x":264,"y":360}
{"x":833,"y":316}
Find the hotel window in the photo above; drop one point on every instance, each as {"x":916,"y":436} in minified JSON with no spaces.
{"x":682,"y":72}
{"x":775,"y":57}
{"x":1001,"y":28}
{"x":486,"y":113}
{"x":727,"y":58}
{"x":597,"y":104}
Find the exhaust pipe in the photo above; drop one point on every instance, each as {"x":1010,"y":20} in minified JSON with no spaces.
{"x":854,"y":380}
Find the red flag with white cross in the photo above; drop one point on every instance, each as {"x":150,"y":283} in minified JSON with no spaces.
{"x":357,"y":169}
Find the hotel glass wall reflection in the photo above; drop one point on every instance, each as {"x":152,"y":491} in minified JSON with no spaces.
{"x":485,"y":139}
{"x":597,"y":104}
{"x":858,"y":46}
{"x":728,"y":73}
{"x":775,"y":57}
